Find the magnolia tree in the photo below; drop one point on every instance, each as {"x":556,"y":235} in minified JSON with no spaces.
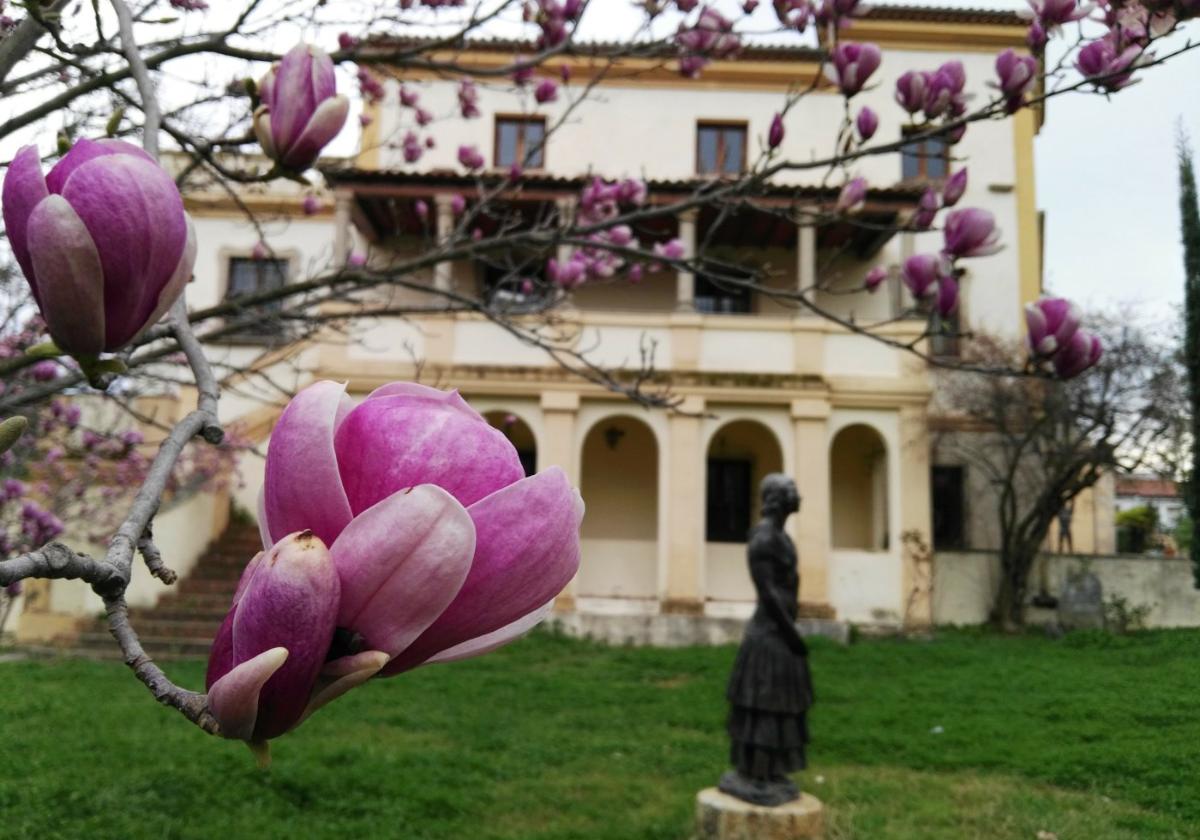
{"x":375,"y":564}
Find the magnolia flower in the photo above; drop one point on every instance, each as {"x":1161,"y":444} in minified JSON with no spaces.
{"x":102,"y":239}
{"x":566,"y":275}
{"x":443,"y":548}
{"x":875,"y":278}
{"x":775,"y":132}
{"x":1080,"y":352}
{"x":946,"y":300}
{"x":852,"y":197}
{"x":272,"y":646}
{"x":927,"y":209}
{"x":910,"y":90}
{"x":409,"y":98}
{"x":670,"y":250}
{"x":14,"y":589}
{"x":311,"y":205}
{"x":921,"y":273}
{"x":1051,"y":323}
{"x":457,"y":204}
{"x":470,"y":157}
{"x":852,"y":65}
{"x":546,"y":91}
{"x":971,"y":233}
{"x":955,"y":186}
{"x":300,"y":110}
{"x":1111,"y":70}
{"x":1017,"y":75}
{"x":944,"y":93}
{"x":1052,"y":14}
{"x":468,"y":99}
{"x":867,"y":122}
{"x":421,"y":208}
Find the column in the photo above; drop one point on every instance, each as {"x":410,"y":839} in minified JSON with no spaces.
{"x":806,"y":259}
{"x":566,"y":220}
{"x":685,"y":281}
{"x":557,"y":448}
{"x":444,"y":230}
{"x":916,"y":516}
{"x":685,"y":483}
{"x":810,"y":419}
{"x":342,"y":238}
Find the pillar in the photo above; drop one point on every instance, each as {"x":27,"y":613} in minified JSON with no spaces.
{"x":685,"y":281}
{"x":810,"y":421}
{"x":342,"y":238}
{"x":444,"y":230}
{"x":806,"y":259}
{"x":916,"y":517}
{"x":557,"y":447}
{"x":566,"y":220}
{"x":685,"y":500}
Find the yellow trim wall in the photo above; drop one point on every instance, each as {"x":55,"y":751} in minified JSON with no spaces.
{"x":1028,"y":234}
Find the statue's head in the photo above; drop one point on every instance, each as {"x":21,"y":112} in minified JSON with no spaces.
{"x":779,"y":494}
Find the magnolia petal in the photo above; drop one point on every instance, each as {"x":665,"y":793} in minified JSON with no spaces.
{"x":24,"y":189}
{"x":526,"y":551}
{"x":497,"y":638}
{"x":390,"y":443}
{"x":324,"y":125}
{"x":233,"y":699}
{"x":324,"y":79}
{"x":400,"y":564}
{"x":451,"y":398}
{"x":263,"y":532}
{"x":262,"y":130}
{"x":68,"y":275}
{"x":341,"y":675}
{"x":85,"y":150}
{"x":135,"y":215}
{"x":293,"y":102}
{"x":302,"y":484}
{"x":179,"y":280}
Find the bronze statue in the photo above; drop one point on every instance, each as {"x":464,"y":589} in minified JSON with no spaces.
{"x":770,"y":690}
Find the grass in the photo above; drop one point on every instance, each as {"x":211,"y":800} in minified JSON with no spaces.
{"x":1090,"y":737}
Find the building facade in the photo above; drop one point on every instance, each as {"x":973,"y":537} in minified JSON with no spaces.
{"x":762,"y":386}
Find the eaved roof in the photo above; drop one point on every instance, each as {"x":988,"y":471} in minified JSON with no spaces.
{"x":1147,"y":486}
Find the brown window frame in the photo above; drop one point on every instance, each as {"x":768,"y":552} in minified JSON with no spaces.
{"x":741,"y":125}
{"x":522,"y":120}
{"x":923,"y":158}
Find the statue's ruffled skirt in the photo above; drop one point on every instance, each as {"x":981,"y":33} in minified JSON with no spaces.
{"x":770,"y":691}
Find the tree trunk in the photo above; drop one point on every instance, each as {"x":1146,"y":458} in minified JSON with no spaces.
{"x":1016,"y":561}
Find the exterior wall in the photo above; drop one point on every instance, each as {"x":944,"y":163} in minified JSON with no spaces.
{"x":966,"y":582}
{"x":1169,"y":510}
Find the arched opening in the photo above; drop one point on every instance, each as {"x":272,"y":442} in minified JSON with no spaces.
{"x":619,"y":482}
{"x":740,"y":455}
{"x":858,"y":493}
{"x":519,"y":435}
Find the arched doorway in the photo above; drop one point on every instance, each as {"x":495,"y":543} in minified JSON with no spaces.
{"x":740,"y":454}
{"x":519,"y":434}
{"x":858,"y":491}
{"x":619,"y":483}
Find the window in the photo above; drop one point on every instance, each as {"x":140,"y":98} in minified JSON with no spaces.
{"x":713,"y":297}
{"x":720,"y":148}
{"x":727,"y":514}
{"x":248,"y":276}
{"x":924,"y":159}
{"x":949,"y":507}
{"x":945,"y":334}
{"x":520,"y":140}
{"x":504,"y":285}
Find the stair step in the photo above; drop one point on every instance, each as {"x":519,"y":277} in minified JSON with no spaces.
{"x":103,"y":644}
{"x":161,"y":613}
{"x":159,"y":628}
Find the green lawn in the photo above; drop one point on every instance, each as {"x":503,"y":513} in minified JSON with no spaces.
{"x":1091,"y":737}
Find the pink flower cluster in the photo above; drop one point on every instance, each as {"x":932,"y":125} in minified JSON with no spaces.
{"x":1056,"y":337}
{"x":710,"y":38}
{"x":554,"y":19}
{"x":600,"y":202}
{"x":933,"y":279}
{"x":937,"y":94}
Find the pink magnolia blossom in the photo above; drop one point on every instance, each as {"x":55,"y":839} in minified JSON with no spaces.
{"x":875,"y":278}
{"x":1051,"y":323}
{"x":357,"y":259}
{"x":851,"y":65}
{"x":1053,"y":14}
{"x":347,"y":42}
{"x":910,"y":90}
{"x":470,"y":157}
{"x":468,"y":99}
{"x":852,"y":197}
{"x":421,"y":208}
{"x":443,"y":548}
{"x":956,"y":186}
{"x":311,"y":205}
{"x":921,"y":273}
{"x":971,"y":232}
{"x":1017,"y":74}
{"x":457,"y":204}
{"x":670,"y":250}
{"x":946,"y":300}
{"x":793,"y":14}
{"x":300,"y":110}
{"x":409,"y":98}
{"x":102,"y":239}
{"x":711,"y":37}
{"x":927,"y":209}
{"x":867,"y":123}
{"x":1110,"y":69}
{"x":546,"y":91}
{"x":944,"y":94}
{"x":412,"y":147}
{"x":775,"y":132}
{"x":1080,"y":352}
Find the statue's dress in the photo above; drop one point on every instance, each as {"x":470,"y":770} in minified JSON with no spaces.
{"x":770,"y":690}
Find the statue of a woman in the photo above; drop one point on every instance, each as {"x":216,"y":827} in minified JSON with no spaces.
{"x":770,"y":690}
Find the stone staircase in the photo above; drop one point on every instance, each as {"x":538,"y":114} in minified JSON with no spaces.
{"x":187,"y":616}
